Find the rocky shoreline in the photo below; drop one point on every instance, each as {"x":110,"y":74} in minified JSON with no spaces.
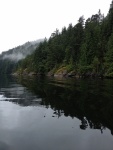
{"x":64,"y":73}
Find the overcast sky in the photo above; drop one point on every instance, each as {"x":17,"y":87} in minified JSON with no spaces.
{"x":28,"y":20}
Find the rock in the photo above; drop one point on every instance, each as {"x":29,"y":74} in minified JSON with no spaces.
{"x":71,"y":74}
{"x":15,"y":74}
{"x":61,"y":73}
{"x":50,"y":74}
{"x":32,"y":74}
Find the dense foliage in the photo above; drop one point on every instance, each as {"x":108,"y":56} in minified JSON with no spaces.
{"x":86,"y":48}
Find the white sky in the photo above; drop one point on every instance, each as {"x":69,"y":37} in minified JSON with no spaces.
{"x":28,"y":20}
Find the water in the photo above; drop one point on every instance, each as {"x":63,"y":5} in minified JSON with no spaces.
{"x":56,"y":114}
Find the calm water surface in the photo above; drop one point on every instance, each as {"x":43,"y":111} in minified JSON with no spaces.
{"x":56,"y":114}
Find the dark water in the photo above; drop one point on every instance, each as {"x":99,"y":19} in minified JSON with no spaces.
{"x":56,"y":114}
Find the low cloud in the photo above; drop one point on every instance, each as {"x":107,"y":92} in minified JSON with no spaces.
{"x":14,"y":57}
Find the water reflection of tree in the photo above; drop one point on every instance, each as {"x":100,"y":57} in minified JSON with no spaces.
{"x":88,"y":123}
{"x":84,"y":123}
{"x":91,"y":100}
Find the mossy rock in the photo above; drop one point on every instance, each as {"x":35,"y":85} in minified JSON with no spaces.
{"x":61,"y":72}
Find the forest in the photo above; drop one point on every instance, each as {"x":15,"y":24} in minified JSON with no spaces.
{"x":84,"y":49}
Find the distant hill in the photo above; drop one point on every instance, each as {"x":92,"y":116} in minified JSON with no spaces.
{"x":20,"y":52}
{"x":10,"y":59}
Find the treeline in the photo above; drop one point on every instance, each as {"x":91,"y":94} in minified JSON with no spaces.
{"x":85,"y":48}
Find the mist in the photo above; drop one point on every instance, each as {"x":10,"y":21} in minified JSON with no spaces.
{"x":20,"y":52}
{"x":14,"y":57}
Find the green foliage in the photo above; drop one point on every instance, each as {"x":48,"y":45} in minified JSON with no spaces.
{"x":70,"y":67}
{"x":84,"y":47}
{"x":95,"y":64}
{"x":84,"y":69}
{"x":109,"y":70}
{"x":109,"y":54}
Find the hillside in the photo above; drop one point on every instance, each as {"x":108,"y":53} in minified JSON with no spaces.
{"x":9,"y":59}
{"x":20,"y":52}
{"x":84,"y":50}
